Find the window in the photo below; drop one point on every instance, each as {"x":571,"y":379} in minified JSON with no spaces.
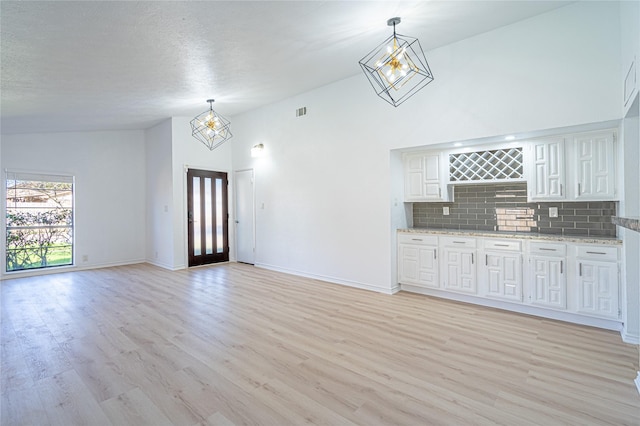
{"x":39,"y":221}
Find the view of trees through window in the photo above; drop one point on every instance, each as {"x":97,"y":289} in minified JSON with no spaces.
{"x":39,"y":221}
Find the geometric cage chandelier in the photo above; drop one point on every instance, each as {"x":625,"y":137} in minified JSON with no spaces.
{"x":397,"y":69}
{"x":210,"y":128}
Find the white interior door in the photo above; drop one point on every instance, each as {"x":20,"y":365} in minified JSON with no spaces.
{"x":245,"y":216}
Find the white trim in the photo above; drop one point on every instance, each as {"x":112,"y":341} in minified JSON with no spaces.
{"x":329,"y":279}
{"x":637,"y":382}
{"x":523,"y":309}
{"x":631,"y":338}
{"x":68,"y":268}
{"x":164,"y":265}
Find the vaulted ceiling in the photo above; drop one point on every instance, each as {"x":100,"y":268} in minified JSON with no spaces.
{"x":102,"y":65}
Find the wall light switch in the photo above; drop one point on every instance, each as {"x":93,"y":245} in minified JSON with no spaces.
{"x":445,"y":210}
{"x":553,"y":212}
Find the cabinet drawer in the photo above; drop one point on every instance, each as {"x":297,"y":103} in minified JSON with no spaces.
{"x":548,"y":249}
{"x":502,"y":245}
{"x":416,"y":238}
{"x":458,"y":242}
{"x":598,"y":253}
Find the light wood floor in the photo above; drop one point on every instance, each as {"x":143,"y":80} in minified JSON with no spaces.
{"x":233,"y":344}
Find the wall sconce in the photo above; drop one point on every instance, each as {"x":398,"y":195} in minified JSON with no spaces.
{"x":257,"y":150}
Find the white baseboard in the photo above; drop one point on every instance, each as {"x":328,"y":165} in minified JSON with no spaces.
{"x":332,"y":280}
{"x":637,"y":380}
{"x":165,"y":266}
{"x":627,"y":337}
{"x":66,"y":268}
{"x":523,"y":309}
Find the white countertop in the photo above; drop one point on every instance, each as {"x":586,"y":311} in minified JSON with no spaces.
{"x":518,"y":235}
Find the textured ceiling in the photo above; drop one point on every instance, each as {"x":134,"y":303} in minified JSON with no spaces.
{"x":101,"y":65}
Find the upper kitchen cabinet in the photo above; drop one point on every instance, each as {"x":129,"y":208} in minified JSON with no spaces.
{"x":546,"y":170}
{"x":595,"y":177}
{"x":424,"y":177}
{"x":585,"y":160}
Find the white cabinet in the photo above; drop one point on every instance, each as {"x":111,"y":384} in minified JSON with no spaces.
{"x":557,"y":279}
{"x":414,"y":177}
{"x":458,"y":264}
{"x":501,"y":272}
{"x":597,"y":280}
{"x":547,"y":266}
{"x":595,"y":166}
{"x":418,"y":260}
{"x":578,"y":167}
{"x":424,"y":178}
{"x":546,"y":170}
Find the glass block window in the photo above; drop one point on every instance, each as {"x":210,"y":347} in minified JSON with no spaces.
{"x":482,"y":166}
{"x":39,"y":212}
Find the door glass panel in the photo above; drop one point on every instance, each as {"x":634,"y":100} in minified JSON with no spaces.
{"x":196,"y":216}
{"x":219,"y":223}
{"x":208,"y":217}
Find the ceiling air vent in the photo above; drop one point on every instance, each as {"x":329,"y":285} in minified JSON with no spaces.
{"x":301,"y":111}
{"x":483,"y":166}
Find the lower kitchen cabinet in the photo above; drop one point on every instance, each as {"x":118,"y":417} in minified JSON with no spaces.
{"x":418,"y":260}
{"x":562,"y":280}
{"x":547,"y":275}
{"x":597,"y":280}
{"x":459,"y":265}
{"x":502,"y":273}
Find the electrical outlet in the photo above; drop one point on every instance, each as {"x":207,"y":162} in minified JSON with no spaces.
{"x":553,"y":212}
{"x":85,"y":257}
{"x":445,"y":210}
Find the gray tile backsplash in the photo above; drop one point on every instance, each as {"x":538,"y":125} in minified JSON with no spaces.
{"x":504,"y":207}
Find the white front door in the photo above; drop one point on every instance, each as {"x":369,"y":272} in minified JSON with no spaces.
{"x":245,"y":216}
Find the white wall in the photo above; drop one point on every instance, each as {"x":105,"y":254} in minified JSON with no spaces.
{"x":630,"y":207}
{"x":109,"y":170}
{"x":630,"y":43}
{"x":326,"y":180}
{"x":159,"y":193}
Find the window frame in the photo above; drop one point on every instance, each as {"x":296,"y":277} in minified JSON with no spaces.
{"x":29,"y":175}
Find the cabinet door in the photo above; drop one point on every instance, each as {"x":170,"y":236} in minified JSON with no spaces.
{"x":408,"y":262}
{"x":428,"y":267}
{"x":598,"y":288}
{"x":418,"y":265}
{"x":414,"y":177}
{"x":432,"y":178}
{"x":546,"y":175}
{"x":459,"y":270}
{"x":548,"y":285}
{"x":503,"y":275}
{"x":595,"y":174}
{"x":423,"y":178}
